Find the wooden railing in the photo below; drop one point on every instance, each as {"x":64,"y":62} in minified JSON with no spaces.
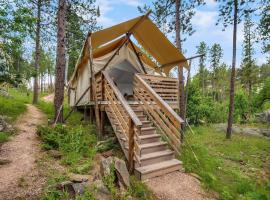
{"x":165,"y":87}
{"x":160,"y":113}
{"x":127,"y":120}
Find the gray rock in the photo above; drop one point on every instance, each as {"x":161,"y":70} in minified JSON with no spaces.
{"x":2,"y":127}
{"x":122,"y":172}
{"x":264,"y":116}
{"x":265,"y":132}
{"x":105,"y":165}
{"x":101,"y":192}
{"x":78,"y":178}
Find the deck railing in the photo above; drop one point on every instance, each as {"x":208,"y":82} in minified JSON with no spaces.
{"x":160,"y":113}
{"x":127,"y":120}
{"x":165,"y":87}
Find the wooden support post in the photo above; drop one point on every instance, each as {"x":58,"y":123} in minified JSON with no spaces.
{"x":102,"y":122}
{"x":131,"y":145}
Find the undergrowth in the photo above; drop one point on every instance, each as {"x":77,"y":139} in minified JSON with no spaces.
{"x":14,"y":105}
{"x":236,"y":168}
{"x":75,"y":143}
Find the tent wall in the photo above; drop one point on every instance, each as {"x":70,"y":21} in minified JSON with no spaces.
{"x":82,"y":79}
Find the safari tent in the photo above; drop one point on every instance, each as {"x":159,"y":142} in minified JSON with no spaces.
{"x":122,"y":75}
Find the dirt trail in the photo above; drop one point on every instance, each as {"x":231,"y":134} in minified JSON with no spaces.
{"x":20,"y":178}
{"x":177,"y":186}
{"x":49,"y":98}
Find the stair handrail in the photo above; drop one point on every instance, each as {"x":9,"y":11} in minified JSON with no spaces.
{"x":169,"y":111}
{"x":166,"y":109}
{"x":134,"y":121}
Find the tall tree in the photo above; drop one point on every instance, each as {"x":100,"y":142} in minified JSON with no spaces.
{"x":226,"y":8}
{"x":215,"y":55}
{"x":37,"y":52}
{"x":202,"y":49}
{"x":60,"y":61}
{"x":264,"y":25}
{"x":248,"y":69}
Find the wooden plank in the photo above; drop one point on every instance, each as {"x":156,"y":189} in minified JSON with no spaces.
{"x":120,"y":97}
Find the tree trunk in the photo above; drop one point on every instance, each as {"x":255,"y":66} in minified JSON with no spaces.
{"x":181,"y":97}
{"x":231,"y":106}
{"x":60,"y":62}
{"x":37,"y":53}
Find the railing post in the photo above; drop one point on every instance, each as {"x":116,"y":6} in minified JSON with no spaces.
{"x":131,"y":145}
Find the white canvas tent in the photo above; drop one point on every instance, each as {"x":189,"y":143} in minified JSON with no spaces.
{"x":112,"y":46}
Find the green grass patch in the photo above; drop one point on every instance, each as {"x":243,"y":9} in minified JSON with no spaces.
{"x":236,"y":168}
{"x":4,"y":137}
{"x":75,"y":143}
{"x":14,"y":105}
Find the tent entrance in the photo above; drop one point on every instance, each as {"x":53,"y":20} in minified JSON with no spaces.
{"x":122,"y":74}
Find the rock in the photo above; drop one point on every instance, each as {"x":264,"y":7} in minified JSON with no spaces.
{"x":78,"y":178}
{"x":4,"y":161}
{"x":265,"y":132}
{"x":105,"y":165}
{"x":251,"y":131}
{"x":101,"y":192}
{"x":264,"y":116}
{"x":73,"y":189}
{"x":107,"y":154}
{"x":78,"y":188}
{"x":55,"y":154}
{"x":122,"y":172}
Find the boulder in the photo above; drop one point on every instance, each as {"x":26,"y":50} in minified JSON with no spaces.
{"x":122,"y":172}
{"x":264,"y":116}
{"x":78,"y":178}
{"x":105,"y":165}
{"x":265,"y":132}
{"x":101,"y":192}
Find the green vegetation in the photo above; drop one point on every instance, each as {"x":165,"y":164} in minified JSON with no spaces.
{"x":14,"y":105}
{"x":3,"y":137}
{"x":76,"y":144}
{"x":236,"y":168}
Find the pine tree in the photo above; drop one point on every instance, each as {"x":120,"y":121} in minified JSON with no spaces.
{"x":215,"y":54}
{"x":248,"y":69}
{"x":226,"y":8}
{"x":202,"y":49}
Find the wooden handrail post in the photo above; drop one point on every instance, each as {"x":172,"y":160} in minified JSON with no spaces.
{"x":131,"y":145}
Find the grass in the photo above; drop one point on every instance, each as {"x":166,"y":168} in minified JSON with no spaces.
{"x":236,"y":168}
{"x":4,"y":137}
{"x":14,"y":105}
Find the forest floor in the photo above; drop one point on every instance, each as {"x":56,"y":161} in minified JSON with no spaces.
{"x":20,"y":178}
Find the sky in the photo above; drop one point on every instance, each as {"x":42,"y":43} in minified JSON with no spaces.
{"x":116,"y":11}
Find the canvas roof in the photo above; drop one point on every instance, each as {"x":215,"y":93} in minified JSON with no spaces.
{"x":146,"y":33}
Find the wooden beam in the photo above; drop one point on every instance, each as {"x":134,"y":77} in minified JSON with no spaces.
{"x":73,"y":108}
{"x":138,"y":56}
{"x":128,"y":34}
{"x":181,"y":61}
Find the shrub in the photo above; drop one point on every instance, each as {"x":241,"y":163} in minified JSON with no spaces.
{"x":241,"y":106}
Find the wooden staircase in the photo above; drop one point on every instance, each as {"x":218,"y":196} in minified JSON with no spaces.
{"x":138,"y":132}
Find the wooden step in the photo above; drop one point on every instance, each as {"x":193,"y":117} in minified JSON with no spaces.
{"x":146,"y":124}
{"x":157,"y":169}
{"x":138,"y":112}
{"x":142,"y":117}
{"x":156,"y":157}
{"x":153,"y":147}
{"x":149,"y":138}
{"x":148,"y":130}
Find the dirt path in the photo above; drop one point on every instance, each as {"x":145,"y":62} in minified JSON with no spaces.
{"x":49,"y":98}
{"x":20,"y":178}
{"x":177,"y":186}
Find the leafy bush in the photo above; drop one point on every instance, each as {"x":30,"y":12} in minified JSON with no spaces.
{"x":241,"y":106}
{"x":262,"y":100}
